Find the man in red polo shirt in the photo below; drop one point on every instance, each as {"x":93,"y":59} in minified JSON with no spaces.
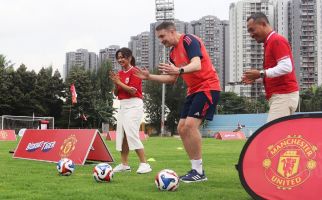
{"x":278,"y":72}
{"x":190,"y":60}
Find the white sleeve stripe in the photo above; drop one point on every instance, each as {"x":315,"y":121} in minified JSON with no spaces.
{"x":283,"y":67}
{"x":283,"y":58}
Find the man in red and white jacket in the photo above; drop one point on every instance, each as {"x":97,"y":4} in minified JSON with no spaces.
{"x":278,"y":72}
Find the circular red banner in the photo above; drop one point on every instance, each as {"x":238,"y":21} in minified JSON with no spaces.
{"x":283,"y":159}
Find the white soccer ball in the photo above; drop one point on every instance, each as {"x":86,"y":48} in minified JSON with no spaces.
{"x":65,"y":167}
{"x":103,"y":172}
{"x":167,"y":180}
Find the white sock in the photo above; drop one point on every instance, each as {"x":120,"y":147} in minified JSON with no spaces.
{"x":197,"y":165}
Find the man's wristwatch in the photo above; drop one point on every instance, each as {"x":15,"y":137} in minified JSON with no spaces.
{"x":181,"y":71}
{"x":262,"y":73}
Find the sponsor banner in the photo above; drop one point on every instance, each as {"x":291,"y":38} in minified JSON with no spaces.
{"x":78,"y":145}
{"x":111,"y":135}
{"x":7,"y":135}
{"x":230,"y":135}
{"x":283,"y":159}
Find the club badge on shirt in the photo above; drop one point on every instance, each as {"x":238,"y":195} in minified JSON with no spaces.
{"x":127,"y":80}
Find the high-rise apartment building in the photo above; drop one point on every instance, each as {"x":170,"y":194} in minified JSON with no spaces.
{"x":108,"y":54}
{"x":226,"y":51}
{"x":210,"y":29}
{"x":299,"y":21}
{"x":140,"y":48}
{"x":244,"y":52}
{"x":213,"y":33}
{"x":305,"y":31}
{"x":80,"y":58}
{"x":281,"y":17}
{"x":156,"y":48}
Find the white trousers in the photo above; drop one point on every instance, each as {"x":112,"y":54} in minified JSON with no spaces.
{"x":281,"y":105}
{"x":128,"y":122}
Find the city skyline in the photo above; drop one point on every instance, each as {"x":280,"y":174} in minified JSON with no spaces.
{"x":39,"y":34}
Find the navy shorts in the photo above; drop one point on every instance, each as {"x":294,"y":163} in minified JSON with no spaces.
{"x":201,"y":105}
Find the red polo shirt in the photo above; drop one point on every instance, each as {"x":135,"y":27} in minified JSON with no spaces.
{"x":205,"y":79}
{"x":277,"y":48}
{"x":129,"y":79}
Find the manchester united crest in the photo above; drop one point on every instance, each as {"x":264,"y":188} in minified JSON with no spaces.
{"x":68,"y":146}
{"x":290,"y":162}
{"x":3,"y":134}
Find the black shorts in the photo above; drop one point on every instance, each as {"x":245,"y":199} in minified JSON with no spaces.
{"x":201,"y":105}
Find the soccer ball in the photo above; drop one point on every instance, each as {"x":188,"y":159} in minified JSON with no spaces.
{"x":167,"y":180}
{"x":65,"y":167}
{"x":103,"y":172}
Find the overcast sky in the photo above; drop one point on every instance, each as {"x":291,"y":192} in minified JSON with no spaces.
{"x":38,"y":33}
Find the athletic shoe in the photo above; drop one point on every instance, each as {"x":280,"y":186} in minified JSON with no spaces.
{"x":122,"y":168}
{"x":193,"y":176}
{"x":144,"y":168}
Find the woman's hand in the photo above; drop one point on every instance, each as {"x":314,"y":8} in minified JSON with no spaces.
{"x":114,"y":77}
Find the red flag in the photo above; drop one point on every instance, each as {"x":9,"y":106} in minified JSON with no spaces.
{"x":74,"y":94}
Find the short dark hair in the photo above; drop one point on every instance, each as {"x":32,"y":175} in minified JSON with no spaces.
{"x":126,"y":53}
{"x":259,"y":16}
{"x":166,"y":25}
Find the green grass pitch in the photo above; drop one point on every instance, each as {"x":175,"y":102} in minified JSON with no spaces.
{"x":26,"y":179}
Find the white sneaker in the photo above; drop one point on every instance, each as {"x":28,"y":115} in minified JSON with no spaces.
{"x":144,"y":168}
{"x":122,"y":168}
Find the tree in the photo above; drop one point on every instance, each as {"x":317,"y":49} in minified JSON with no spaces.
{"x":4,"y":63}
{"x":231,"y":103}
{"x":6,"y":80}
{"x":49,"y":91}
{"x":311,"y":99}
{"x":85,"y":92}
{"x":175,"y":96}
{"x":103,"y":83}
{"x":259,"y":105}
{"x":23,"y":92}
{"x":102,"y":112}
{"x":103,"y":100}
{"x":40,"y":92}
{"x":94,"y":97}
{"x":152,"y":103}
{"x":58,"y":94}
{"x":45,"y":94}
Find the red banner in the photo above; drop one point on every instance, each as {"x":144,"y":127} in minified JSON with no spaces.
{"x":7,"y":135}
{"x":283,"y":159}
{"x":74,"y":94}
{"x":229,"y":135}
{"x":111,"y":135}
{"x":78,"y":145}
